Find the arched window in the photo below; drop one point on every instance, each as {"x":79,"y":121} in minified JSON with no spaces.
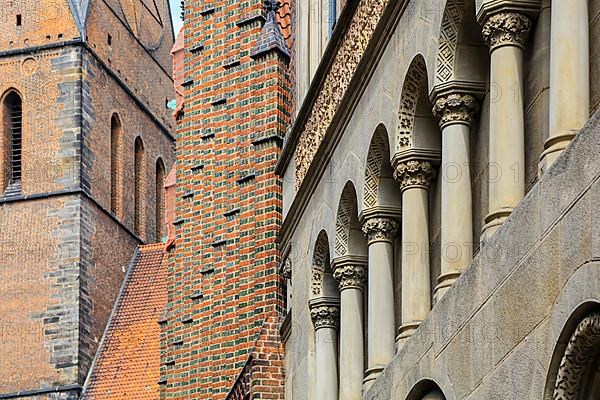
{"x":116,"y":138}
{"x":160,"y":199}
{"x":139,"y":175}
{"x":12,"y":118}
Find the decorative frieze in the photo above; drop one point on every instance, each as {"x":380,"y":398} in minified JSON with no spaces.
{"x":455,"y":108}
{"x":508,"y":28}
{"x":336,"y":82}
{"x":350,"y":276}
{"x":414,"y":173}
{"x":380,"y":229}
{"x":325,"y":314}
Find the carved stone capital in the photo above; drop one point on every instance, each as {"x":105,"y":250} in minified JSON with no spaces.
{"x":350,"y":276}
{"x":325,"y":313}
{"x":380,"y":229}
{"x":455,"y":108}
{"x":414,"y":173}
{"x":506,"y":28}
{"x":578,"y":359}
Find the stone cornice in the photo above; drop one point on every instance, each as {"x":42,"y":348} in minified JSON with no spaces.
{"x":353,"y":93}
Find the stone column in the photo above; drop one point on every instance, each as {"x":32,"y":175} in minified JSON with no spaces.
{"x":351,"y":277}
{"x":569,"y":76}
{"x":381,"y":324}
{"x":415,"y":178}
{"x":325,"y":312}
{"x":505,"y":33}
{"x":455,"y":112}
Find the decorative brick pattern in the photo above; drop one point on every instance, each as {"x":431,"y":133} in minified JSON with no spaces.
{"x":223,"y":273}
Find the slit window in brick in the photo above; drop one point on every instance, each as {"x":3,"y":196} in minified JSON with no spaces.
{"x":160,"y":200}
{"x":139,"y":175}
{"x":12,"y":140}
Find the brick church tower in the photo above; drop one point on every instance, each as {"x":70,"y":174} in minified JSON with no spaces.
{"x":85,"y":141}
{"x":220,"y":329}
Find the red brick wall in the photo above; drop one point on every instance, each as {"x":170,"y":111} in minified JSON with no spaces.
{"x":224,"y":279}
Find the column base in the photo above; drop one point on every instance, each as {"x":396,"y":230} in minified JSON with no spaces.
{"x":404,"y":332}
{"x":553,"y":149}
{"x":445,"y":281}
{"x":493,"y":222}
{"x":371,"y":375}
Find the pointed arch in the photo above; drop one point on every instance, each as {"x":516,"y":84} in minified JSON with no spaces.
{"x":116,"y":162}
{"x":418,"y":130}
{"x":139,"y":174}
{"x":349,"y":238}
{"x":159,"y":196}
{"x":12,"y":138}
{"x":426,"y":390}
{"x":380,"y":189}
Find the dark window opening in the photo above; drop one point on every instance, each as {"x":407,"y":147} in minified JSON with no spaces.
{"x":19,"y":20}
{"x":13,"y":127}
{"x":139,"y":175}
{"x":109,"y":39}
{"x":160,"y":200}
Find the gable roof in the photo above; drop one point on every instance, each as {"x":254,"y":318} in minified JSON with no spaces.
{"x":127,"y":365}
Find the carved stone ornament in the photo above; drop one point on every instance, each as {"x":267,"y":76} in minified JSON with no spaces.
{"x":578,"y":359}
{"x":455,"y":108}
{"x":317,"y":282}
{"x":325,"y":315}
{"x":336,"y":83}
{"x":380,"y":229}
{"x":506,"y":29}
{"x":350,"y":276}
{"x":414,"y":173}
{"x":286,"y":270}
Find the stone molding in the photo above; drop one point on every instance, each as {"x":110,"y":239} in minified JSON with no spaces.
{"x":506,"y":29}
{"x":350,"y":276}
{"x":455,"y":108}
{"x":414,"y":174}
{"x":577,"y":359}
{"x":325,"y":312}
{"x":380,"y":229}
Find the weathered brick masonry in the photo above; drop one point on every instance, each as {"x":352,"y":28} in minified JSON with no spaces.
{"x":224,"y":285}
{"x":63,"y":253}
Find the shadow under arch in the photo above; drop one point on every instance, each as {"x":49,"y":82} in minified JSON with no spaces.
{"x":349,"y":238}
{"x":574,"y":372}
{"x":426,"y":389}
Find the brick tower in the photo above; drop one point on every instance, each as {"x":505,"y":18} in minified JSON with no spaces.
{"x":85,"y":140}
{"x":220,"y":336}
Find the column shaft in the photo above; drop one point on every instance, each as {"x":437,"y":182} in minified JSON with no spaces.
{"x":326,"y":356}
{"x":415,"y":179}
{"x":381,"y":323}
{"x":351,"y":277}
{"x":506,"y":34}
{"x":324,"y":312}
{"x":569,"y":76}
{"x":456,"y":112}
{"x":351,"y":344}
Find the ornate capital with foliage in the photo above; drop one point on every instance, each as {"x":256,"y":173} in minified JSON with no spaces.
{"x":325,"y":314}
{"x":350,"y":276}
{"x":508,"y":28}
{"x":380,"y":229}
{"x":414,"y":173}
{"x":455,"y":108}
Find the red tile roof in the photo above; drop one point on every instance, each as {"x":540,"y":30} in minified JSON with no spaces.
{"x":128,"y":362}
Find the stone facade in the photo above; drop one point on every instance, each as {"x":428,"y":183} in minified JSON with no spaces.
{"x":436,"y":128}
{"x":64,"y":253}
